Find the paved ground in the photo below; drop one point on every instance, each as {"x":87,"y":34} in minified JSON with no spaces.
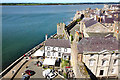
{"x":31,"y":66}
{"x":10,"y":74}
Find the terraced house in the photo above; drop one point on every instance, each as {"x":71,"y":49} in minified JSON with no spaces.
{"x":101,"y":55}
{"x":57,"y":49}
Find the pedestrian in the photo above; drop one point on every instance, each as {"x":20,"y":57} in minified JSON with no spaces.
{"x":13,"y":72}
{"x":22,"y":73}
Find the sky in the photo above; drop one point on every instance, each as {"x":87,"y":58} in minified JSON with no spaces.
{"x":54,"y":1}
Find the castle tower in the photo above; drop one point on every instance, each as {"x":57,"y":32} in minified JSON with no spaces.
{"x":60,"y":28}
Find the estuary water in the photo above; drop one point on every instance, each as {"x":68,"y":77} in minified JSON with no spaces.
{"x":24,"y":27}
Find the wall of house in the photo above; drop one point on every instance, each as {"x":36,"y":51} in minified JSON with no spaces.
{"x":83,"y":29}
{"x":86,"y":60}
{"x":57,"y":50}
{"x":110,"y":67}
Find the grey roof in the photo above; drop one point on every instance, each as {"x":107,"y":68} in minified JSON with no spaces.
{"x":117,"y":19}
{"x":116,"y":5}
{"x":117,"y":12}
{"x":108,"y":20}
{"x":66,"y":54}
{"x":58,"y":43}
{"x":96,"y":44}
{"x":90,"y":22}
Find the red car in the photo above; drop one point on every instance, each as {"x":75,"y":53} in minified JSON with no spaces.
{"x":30,"y":72}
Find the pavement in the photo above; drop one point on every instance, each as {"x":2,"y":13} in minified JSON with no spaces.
{"x":31,"y":66}
{"x":10,"y":73}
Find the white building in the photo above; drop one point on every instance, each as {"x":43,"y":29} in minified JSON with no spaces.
{"x":101,"y":55}
{"x":57,"y":49}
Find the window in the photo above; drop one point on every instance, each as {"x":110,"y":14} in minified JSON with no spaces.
{"x":91,"y":62}
{"x":91,"y":55}
{"x":112,"y":71}
{"x":53,"y":48}
{"x":53,"y":54}
{"x":48,"y":48}
{"x":101,"y":72}
{"x":104,"y":54}
{"x":104,"y":62}
{"x":115,"y":61}
{"x":59,"y":49}
{"x":59,"y":54}
{"x":64,"y":57}
{"x":48,"y":53}
{"x":65,"y":49}
{"x":116,"y":54}
{"x":112,"y":53}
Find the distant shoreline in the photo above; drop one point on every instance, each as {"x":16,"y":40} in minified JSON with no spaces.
{"x":34,"y":4}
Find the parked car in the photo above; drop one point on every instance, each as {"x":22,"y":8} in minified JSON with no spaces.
{"x":30,"y":72}
{"x":46,"y":72}
{"x":51,"y":75}
{"x":25,"y":77}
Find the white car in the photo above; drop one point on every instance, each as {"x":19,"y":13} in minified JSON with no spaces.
{"x":46,"y":72}
{"x":51,"y":75}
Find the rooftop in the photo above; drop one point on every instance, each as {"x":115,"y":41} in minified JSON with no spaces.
{"x":58,"y":43}
{"x":89,"y":22}
{"x":96,"y":44}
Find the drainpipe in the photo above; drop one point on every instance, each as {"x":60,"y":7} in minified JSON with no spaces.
{"x":109,"y":65}
{"x":46,"y":36}
{"x":97,"y":64}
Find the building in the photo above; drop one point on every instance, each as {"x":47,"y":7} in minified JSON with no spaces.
{"x":101,"y":55}
{"x":57,"y":49}
{"x":90,"y":27}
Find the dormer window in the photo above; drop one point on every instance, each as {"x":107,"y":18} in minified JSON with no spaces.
{"x":65,"y":49}
{"x":91,"y":55}
{"x":48,"y":53}
{"x":59,"y":54}
{"x":104,"y":54}
{"x":115,"y":61}
{"x":48,"y":48}
{"x":104,"y":62}
{"x":116,"y":54}
{"x":59,"y":49}
{"x":91,"y":62}
{"x":112,"y":53}
{"x":53,"y":54}
{"x":53,"y":48}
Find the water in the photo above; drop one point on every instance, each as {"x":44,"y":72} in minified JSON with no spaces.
{"x":23,"y":27}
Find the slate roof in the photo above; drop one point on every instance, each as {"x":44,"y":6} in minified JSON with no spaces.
{"x":96,"y":44}
{"x":117,"y":19}
{"x":108,"y":20}
{"x":58,"y":43}
{"x":116,"y":5}
{"x":90,"y":22}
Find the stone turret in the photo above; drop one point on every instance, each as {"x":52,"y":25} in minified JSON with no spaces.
{"x":60,"y":28}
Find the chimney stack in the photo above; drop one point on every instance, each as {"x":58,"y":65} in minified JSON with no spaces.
{"x":46,"y":36}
